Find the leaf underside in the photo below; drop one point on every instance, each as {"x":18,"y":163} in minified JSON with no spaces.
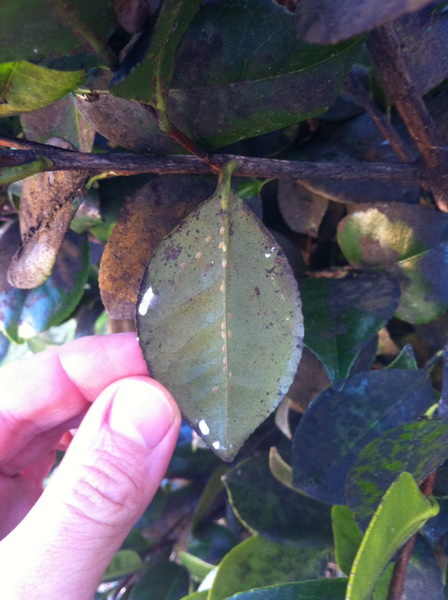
{"x":219,"y":320}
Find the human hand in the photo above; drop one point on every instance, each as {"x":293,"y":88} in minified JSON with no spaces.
{"x":60,"y":541}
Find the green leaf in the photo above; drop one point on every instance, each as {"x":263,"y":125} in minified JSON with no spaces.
{"x":347,"y":537}
{"x":277,"y":513}
{"x":43,"y":31}
{"x":148,"y":82}
{"x":10,"y":174}
{"x":162,"y":580}
{"x":196,"y":596}
{"x":405,"y":360}
{"x":25,"y":87}
{"x":24,"y":313}
{"x":196,"y":566}
{"x":341,"y":316}
{"x":418,"y":448}
{"x":123,"y":563}
{"x":329,"y":21}
{"x":218,"y":296}
{"x":402,"y":512}
{"x":280,"y":469}
{"x":320,"y":589}
{"x":257,"y":562}
{"x":212,"y":490}
{"x":409,"y":242}
{"x":340,"y":422}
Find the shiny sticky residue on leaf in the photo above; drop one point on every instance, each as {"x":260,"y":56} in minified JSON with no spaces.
{"x":219,"y":320}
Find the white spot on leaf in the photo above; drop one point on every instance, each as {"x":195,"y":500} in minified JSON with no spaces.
{"x":203,"y":427}
{"x":148,"y":299}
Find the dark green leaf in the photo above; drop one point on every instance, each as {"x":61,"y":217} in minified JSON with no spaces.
{"x":402,"y":512}
{"x":418,"y":448}
{"x":405,"y":360}
{"x":162,"y":580}
{"x":217,"y":297}
{"x":409,"y":242}
{"x":148,"y":82}
{"x":257,"y":562}
{"x":341,"y":316}
{"x":25,"y":87}
{"x":123,"y":563}
{"x":227,"y":87}
{"x":320,"y":589}
{"x":276,"y":513}
{"x":347,"y":537}
{"x":60,"y":119}
{"x":23,"y":313}
{"x":339,"y":423}
{"x":329,"y":21}
{"x":213,"y":489}
{"x":43,"y":30}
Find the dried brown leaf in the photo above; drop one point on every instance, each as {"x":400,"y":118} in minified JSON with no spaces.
{"x":48,"y":204}
{"x":147,"y":217}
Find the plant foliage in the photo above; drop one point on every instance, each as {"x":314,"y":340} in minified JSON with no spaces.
{"x":289,"y":281}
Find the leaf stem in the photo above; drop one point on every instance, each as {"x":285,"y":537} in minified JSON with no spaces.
{"x":385,"y":50}
{"x":404,"y":555}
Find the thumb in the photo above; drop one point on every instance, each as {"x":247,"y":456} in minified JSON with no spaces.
{"x":109,"y":474}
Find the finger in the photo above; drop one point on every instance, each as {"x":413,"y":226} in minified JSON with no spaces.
{"x":111,"y":471}
{"x":46,"y":390}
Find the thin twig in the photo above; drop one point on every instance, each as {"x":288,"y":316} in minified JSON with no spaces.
{"x":385,"y":127}
{"x":401,"y":566}
{"x":385,"y":50}
{"x":131,"y":164}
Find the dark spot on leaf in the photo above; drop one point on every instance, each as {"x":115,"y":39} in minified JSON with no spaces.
{"x":172,"y":252}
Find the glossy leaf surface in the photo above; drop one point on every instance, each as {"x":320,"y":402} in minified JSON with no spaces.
{"x":409,"y":242}
{"x":278,"y":513}
{"x":342,"y":315}
{"x":25,"y":87}
{"x":257,"y":562}
{"x":330,"y":589}
{"x":418,"y":448}
{"x":23,"y":313}
{"x":402,"y":512}
{"x":339,"y":423}
{"x":329,"y":21}
{"x":217,"y":299}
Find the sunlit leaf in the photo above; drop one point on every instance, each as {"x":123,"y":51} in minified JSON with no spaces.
{"x":257,"y":562}
{"x":410,"y":243}
{"x":342,"y":315}
{"x":25,"y":87}
{"x":340,"y":422}
{"x":347,"y":537}
{"x":402,"y":512}
{"x":329,"y":21}
{"x":277,"y":513}
{"x":196,"y":566}
{"x":219,"y":320}
{"x":418,"y":448}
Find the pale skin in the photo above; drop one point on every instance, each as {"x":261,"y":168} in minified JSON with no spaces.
{"x":57,"y":543}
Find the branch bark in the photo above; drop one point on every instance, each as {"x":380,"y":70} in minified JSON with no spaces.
{"x":385,"y":50}
{"x":20,"y":152}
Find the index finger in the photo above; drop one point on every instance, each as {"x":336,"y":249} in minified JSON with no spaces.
{"x":42,"y":391}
